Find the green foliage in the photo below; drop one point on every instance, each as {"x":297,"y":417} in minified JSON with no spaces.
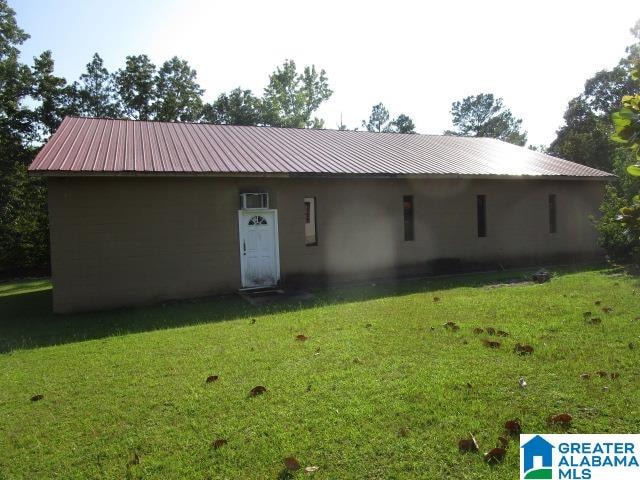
{"x":626,"y":122}
{"x":619,"y":225}
{"x":238,"y":107}
{"x":15,"y":86}
{"x":178,"y":95}
{"x":486,"y":116}
{"x":379,"y":390}
{"x":56,"y":98}
{"x":614,"y":238}
{"x":24,"y":234}
{"x":21,"y":225}
{"x":379,"y":121}
{"x":136,"y":87}
{"x":291,"y":98}
{"x":585,"y":136}
{"x":97,"y":91}
{"x":403,"y":124}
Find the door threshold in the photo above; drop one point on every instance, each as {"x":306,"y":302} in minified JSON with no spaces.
{"x":257,"y":290}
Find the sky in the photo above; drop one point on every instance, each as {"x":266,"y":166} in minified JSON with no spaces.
{"x":416,"y":57}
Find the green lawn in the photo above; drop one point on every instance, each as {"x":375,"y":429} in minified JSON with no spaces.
{"x":379,"y":389}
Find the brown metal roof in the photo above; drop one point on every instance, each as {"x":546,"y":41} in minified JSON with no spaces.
{"x":105,"y":146}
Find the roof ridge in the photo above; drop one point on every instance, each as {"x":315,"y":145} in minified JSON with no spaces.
{"x":189,"y":122}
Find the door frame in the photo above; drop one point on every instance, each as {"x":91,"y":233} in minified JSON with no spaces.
{"x":276,"y":241}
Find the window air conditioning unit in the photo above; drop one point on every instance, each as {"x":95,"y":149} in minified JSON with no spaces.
{"x":250,"y":201}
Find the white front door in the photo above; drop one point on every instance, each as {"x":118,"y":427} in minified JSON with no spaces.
{"x":259,"y":256}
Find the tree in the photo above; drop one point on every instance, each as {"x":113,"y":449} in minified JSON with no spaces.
{"x":486,"y":116}
{"x":15,"y":87}
{"x":238,"y":107}
{"x":403,"y":124}
{"x":97,"y":91}
{"x":55,"y":98}
{"x":136,"y":88}
{"x":378,"y":120}
{"x":291,"y":98}
{"x":619,"y":225}
{"x":626,"y":122}
{"x":585,"y":136}
{"x":24,"y":230}
{"x":23,"y":218}
{"x":178,"y":95}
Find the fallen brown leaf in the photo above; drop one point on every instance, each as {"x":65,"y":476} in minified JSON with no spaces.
{"x":291,"y":463}
{"x":218,"y":442}
{"x":468,"y":445}
{"x":563,"y":419}
{"x":491,"y":343}
{"x":494,"y":455}
{"x":523,"y":349}
{"x":513,"y":427}
{"x":259,"y":390}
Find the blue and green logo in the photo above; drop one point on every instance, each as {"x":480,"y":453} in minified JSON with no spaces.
{"x":537,"y":458}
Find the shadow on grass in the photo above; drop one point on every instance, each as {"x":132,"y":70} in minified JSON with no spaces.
{"x":27,"y":322}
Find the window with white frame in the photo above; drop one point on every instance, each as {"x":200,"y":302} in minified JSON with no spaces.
{"x":310,"y":234}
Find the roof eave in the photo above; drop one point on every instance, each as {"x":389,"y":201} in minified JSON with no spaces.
{"x":442,"y":176}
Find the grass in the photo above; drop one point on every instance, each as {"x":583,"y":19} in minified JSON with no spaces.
{"x":379,"y":389}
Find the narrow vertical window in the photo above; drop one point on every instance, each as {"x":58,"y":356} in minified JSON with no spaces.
{"x":553,"y":225}
{"x":407,"y":206}
{"x":482,"y":215}
{"x":310,"y":235}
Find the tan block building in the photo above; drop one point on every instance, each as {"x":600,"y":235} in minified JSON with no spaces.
{"x":142,"y":212}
